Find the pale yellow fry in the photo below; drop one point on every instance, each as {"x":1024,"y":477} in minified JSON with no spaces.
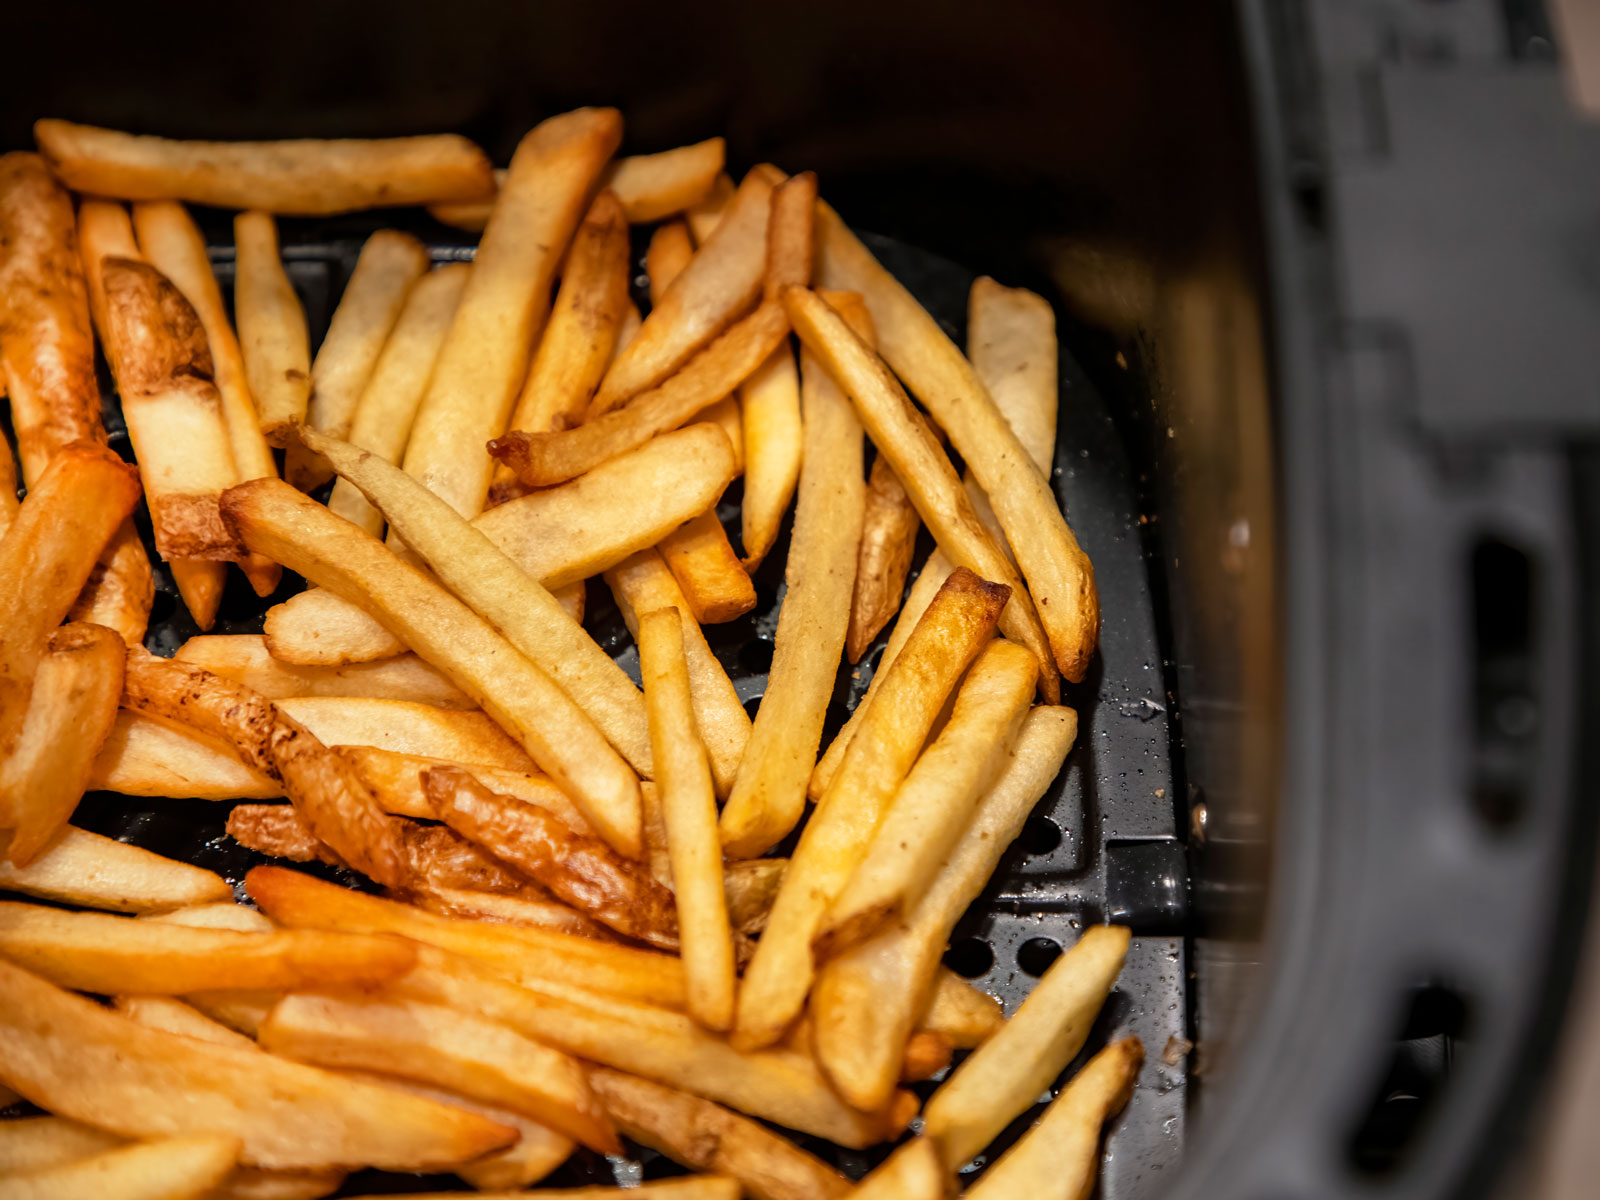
{"x":689,"y":808}
{"x":706,"y":214}
{"x":713,"y":579}
{"x":407,"y":727}
{"x":272,"y":328}
{"x":170,"y":1169}
{"x":1011,"y":340}
{"x":28,"y":1143}
{"x":485,"y":355}
{"x":238,"y":917}
{"x":960,"y":1012}
{"x":643,"y":583}
{"x":244,"y":658}
{"x":144,"y":756}
{"x":693,"y":1187}
{"x":868,"y":1000}
{"x":84,"y":868}
{"x":770,"y":401}
{"x":316,"y":628}
{"x":653,"y":186}
{"x":913,"y":1172}
{"x":1003,"y":1078}
{"x":174,"y":1016}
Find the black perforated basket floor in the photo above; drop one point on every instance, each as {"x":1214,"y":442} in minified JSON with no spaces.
{"x":1104,"y":844}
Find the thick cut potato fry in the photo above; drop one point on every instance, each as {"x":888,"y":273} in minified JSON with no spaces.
{"x":725,"y":412}
{"x":70,"y":712}
{"x":174,"y":1016}
{"x":99,"y":952}
{"x":434,"y":1045}
{"x":770,"y":404}
{"x":144,"y":756}
{"x":79,"y":1060}
{"x":244,"y":1011}
{"x":926,"y":1055}
{"x":955,"y":628}
{"x":917,"y":458}
{"x":315,"y":628}
{"x":298,"y":901}
{"x":485,"y":355}
{"x":693,"y":1187}
{"x":29,"y":1143}
{"x":79,"y":867}
{"x":499,"y":591}
{"x":770,"y":795}
{"x":306,"y":177}
{"x":244,"y":659}
{"x":669,"y":253}
{"x":631,"y":320}
{"x":1004,"y":1077}
{"x":388,"y":404}
{"x":888,"y":539}
{"x":1059,"y":1158}
{"x":934,"y":805}
{"x":272,"y":329}
{"x":706,"y":214}
{"x":238,"y":917}
{"x":960,"y":1012}
{"x":185,"y":1168}
{"x":703,"y":1136}
{"x":642,"y":584}
{"x":712,"y":578}
{"x":120,"y":588}
{"x":689,"y":811}
{"x":505,"y":909}
{"x":277,"y":521}
{"x":719,"y":283}
{"x":867,"y":1000}
{"x":1011,"y":341}
{"x":790,"y":239}
{"x":913,"y":1172}
{"x":324,"y":787}
{"x":396,"y":780}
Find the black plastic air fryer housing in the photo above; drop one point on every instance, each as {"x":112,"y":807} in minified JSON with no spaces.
{"x":1328,"y":283}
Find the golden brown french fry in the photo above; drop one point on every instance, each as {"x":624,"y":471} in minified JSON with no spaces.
{"x":500,"y":592}
{"x":581,"y":338}
{"x":1059,"y":1158}
{"x":407,"y":727}
{"x":653,"y":186}
{"x":693,"y":1187}
{"x":706,"y":214}
{"x":961,"y":1013}
{"x":703,"y":1136}
{"x":713,"y":580}
{"x":505,"y":909}
{"x":485,"y":355}
{"x":770,"y":795}
{"x":921,"y":464}
{"x":1004,"y":1077}
{"x":720,"y":282}
{"x":926,"y":1055}
{"x":452,"y":1050}
{"x":934,"y":805}
{"x":29,"y":1143}
{"x":238,"y":917}
{"x":70,"y":711}
{"x":278,"y":521}
{"x":725,"y":412}
{"x":9,"y":502}
{"x":143,"y":756}
{"x":307,"y":177}
{"x":1011,"y":341}
{"x":888,"y":539}
{"x":244,"y":658}
{"x":956,"y":627}
{"x":790,"y":236}
{"x":396,"y":780}
{"x":669,"y":253}
{"x":388,"y":405}
{"x":120,"y":588}
{"x":76,"y":1059}
{"x":867,"y":1000}
{"x":315,"y":628}
{"x":180,"y":1168}
{"x":689,"y":809}
{"x":84,"y":868}
{"x":324,"y":787}
{"x":770,"y":403}
{"x":471,"y":215}
{"x":913,"y":1172}
{"x":174,"y":1016}
{"x":272,"y":328}
{"x":643,"y":583}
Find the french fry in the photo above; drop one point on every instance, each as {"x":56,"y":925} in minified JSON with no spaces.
{"x":713,"y":580}
{"x":689,"y":808}
{"x":407,"y":727}
{"x":960,"y":1012}
{"x":244,"y":659}
{"x":238,"y":917}
{"x":99,"y":952}
{"x":1004,"y":1077}
{"x":315,"y":628}
{"x":770,"y":403}
{"x":79,"y":867}
{"x":919,"y":461}
{"x":272,"y":328}
{"x":324,"y":787}
{"x":749,"y":887}
{"x":120,"y":588}
{"x":926,"y":1054}
{"x":888,"y":539}
{"x":1011,"y":341}
{"x":669,"y":253}
{"x":725,"y":412}
{"x":387,"y":406}
{"x":718,"y":284}
{"x":913,"y":1172}
{"x":9,"y":502}
{"x":307,"y":177}
{"x":631,"y":320}
{"x":935,"y":803}
{"x":506,"y":909}
{"x":182,"y":1168}
{"x":255,"y":1183}
{"x":144,"y":756}
{"x":174,"y":1016}
{"x":770,"y":795}
{"x":470,"y":215}
{"x":706,"y":214}
{"x":276,"y":520}
{"x":453,"y":1050}
{"x":703,"y":1136}
{"x":499,"y":591}
{"x":70,"y":711}
{"x":643,"y":583}
{"x":76,"y":1059}
{"x":244,"y":1011}
{"x":29,"y":1143}
{"x":581,"y":338}
{"x":694,"y":1187}
{"x":952,"y":632}
{"x":868,"y":999}
{"x":485,"y":355}
{"x":1060,"y":1155}
{"x":396,"y":780}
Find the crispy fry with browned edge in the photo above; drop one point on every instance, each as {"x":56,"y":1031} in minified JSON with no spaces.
{"x":703,"y":1136}
{"x":581,"y":337}
{"x":1004,"y":1077}
{"x":917,"y":458}
{"x":1059,"y":1158}
{"x":280,"y":522}
{"x":935,"y":803}
{"x":305,"y":177}
{"x":78,"y":867}
{"x":243,"y":658}
{"x":324,"y":787}
{"x":714,"y":581}
{"x":73,"y":703}
{"x":912,"y":1172}
{"x":74,"y":1058}
{"x":581,"y":870}
{"x":705,"y":214}
{"x":496,"y":588}
{"x":388,"y":405}
{"x":642,"y":583}
{"x":888,"y":538}
{"x":689,"y":811}
{"x":868,"y":1000}
{"x":485,"y":355}
{"x":47,"y":367}
{"x":718,"y":284}
{"x":957,"y":625}
{"x":180,"y":1168}
{"x":272,"y":329}
{"x":449,"y":1049}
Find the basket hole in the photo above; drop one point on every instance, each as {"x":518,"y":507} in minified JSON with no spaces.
{"x":970,"y":958}
{"x":1505,"y":716}
{"x":755,"y":656}
{"x":1040,"y":835}
{"x":1035,"y":955}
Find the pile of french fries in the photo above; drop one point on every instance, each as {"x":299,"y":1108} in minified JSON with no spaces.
{"x":574,"y":932}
